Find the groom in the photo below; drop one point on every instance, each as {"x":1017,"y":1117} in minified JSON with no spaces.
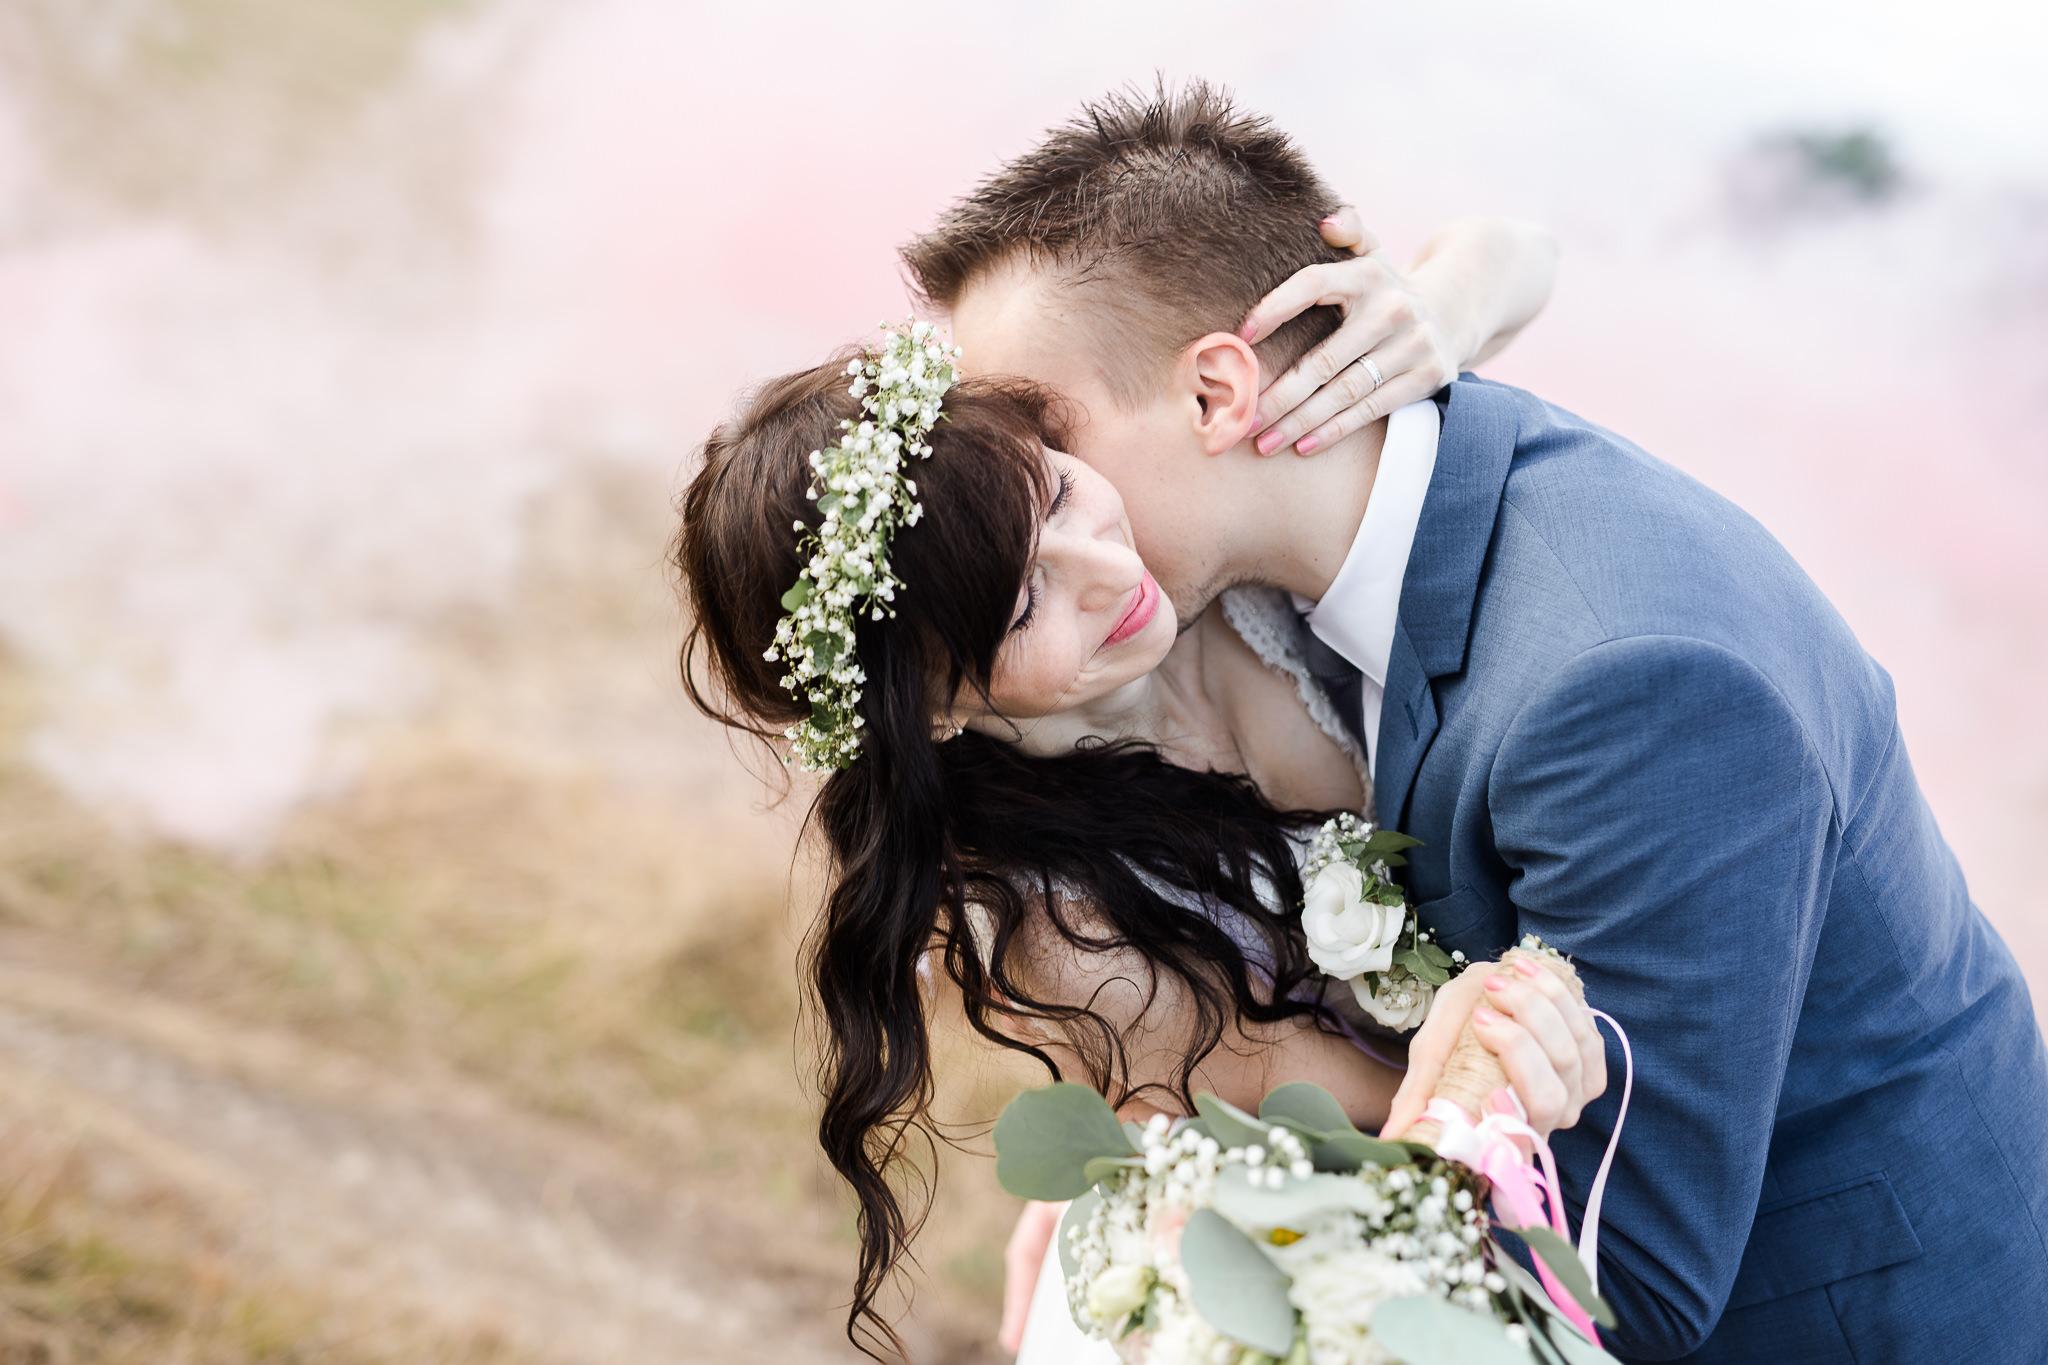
{"x":1619,"y":716}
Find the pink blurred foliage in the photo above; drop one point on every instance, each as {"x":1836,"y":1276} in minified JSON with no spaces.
{"x":660,"y":205}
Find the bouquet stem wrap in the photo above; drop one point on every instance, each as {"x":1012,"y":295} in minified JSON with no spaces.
{"x":1464,"y":1124}
{"x":1472,"y":1073}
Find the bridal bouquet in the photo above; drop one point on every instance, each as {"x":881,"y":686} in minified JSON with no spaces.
{"x":1289,"y":1236}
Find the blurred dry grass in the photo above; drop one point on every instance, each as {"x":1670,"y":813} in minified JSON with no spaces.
{"x":83,"y":1278}
{"x":492,"y":910}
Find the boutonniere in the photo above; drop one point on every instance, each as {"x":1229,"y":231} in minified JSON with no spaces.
{"x":1359,"y":927}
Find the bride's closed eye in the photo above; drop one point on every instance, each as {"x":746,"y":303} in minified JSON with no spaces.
{"x":1059,"y":500}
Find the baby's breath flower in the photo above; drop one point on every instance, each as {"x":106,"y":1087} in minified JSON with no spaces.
{"x":1414,"y":1228}
{"x":862,"y":499}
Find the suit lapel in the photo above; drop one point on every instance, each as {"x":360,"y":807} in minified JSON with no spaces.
{"x":1440,"y":585}
{"x":1407,"y":724}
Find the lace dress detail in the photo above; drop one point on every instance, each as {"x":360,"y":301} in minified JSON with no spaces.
{"x":1265,"y":619}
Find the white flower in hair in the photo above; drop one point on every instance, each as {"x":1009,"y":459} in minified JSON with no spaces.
{"x":863,"y":495}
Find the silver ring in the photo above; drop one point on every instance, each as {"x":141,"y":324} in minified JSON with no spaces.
{"x":1373,"y":370}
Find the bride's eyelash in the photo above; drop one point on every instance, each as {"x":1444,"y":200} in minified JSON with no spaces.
{"x":1030,"y":609}
{"x":1059,"y":500}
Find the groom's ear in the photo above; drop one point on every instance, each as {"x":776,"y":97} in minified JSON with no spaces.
{"x":1222,"y":376}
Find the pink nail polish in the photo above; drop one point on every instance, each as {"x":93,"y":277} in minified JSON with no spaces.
{"x":1483,"y":1015}
{"x":1248,"y":330}
{"x":1525,"y":966}
{"x":1268,"y":442}
{"x":1494,"y":983}
{"x":1305,"y":445}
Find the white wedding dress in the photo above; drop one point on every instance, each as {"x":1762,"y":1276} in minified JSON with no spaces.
{"x":1267,"y":622}
{"x":1050,"y":1336}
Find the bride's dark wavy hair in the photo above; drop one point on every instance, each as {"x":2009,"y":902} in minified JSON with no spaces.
{"x":918,"y":828}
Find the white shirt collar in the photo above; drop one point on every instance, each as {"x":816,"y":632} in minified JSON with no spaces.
{"x":1356,"y":615}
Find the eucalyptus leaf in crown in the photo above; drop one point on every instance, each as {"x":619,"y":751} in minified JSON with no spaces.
{"x":864,"y":495}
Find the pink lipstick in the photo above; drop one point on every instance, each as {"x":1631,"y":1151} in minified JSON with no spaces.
{"x":1138,"y":615}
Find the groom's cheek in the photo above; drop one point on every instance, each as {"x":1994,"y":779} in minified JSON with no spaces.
{"x":1172,"y":525}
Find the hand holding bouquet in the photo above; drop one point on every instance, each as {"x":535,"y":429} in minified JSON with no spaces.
{"x":1292,"y":1237}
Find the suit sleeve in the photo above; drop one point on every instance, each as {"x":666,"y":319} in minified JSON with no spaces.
{"x":1669,"y":826}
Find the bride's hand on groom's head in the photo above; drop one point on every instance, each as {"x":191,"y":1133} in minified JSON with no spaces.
{"x":1390,"y":349}
{"x":1546,"y":1040}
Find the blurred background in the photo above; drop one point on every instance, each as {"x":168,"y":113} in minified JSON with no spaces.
{"x":392,"y":967}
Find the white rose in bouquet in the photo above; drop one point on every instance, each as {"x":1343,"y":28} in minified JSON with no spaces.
{"x":1337,"y":1295}
{"x":1348,"y":934}
{"x":1181,"y":1336}
{"x":1119,"y":1290}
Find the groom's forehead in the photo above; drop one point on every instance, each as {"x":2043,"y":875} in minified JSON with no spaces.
{"x":1004,"y":317}
{"x":1019,"y":319}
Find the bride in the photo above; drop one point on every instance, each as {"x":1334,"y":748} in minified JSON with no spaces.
{"x":1040,"y":795}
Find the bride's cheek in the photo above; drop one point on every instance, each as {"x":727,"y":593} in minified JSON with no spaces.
{"x":1022,"y":679}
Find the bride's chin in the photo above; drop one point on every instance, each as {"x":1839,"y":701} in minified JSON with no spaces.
{"x":1160,"y":633}
{"x":1146,"y":654}
{"x":1118,"y":689}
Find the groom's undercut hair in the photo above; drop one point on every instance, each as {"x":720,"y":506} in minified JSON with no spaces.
{"x":1166,"y":215}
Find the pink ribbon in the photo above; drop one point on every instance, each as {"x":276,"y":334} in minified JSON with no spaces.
{"x":1522,"y":1188}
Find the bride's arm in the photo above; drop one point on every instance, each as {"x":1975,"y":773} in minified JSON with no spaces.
{"x":1488,"y":278}
{"x":1543,"y":1038}
{"x":1473,"y":287}
{"x":1546,"y":1041}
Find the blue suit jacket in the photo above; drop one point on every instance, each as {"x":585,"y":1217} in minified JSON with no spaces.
{"x":1622,"y":718}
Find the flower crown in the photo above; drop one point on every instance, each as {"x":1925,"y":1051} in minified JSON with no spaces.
{"x":861,"y":488}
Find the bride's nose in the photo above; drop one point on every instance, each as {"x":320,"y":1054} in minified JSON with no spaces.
{"x":1101,"y":570}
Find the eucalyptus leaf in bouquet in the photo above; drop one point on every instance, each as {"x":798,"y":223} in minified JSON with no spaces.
{"x":1562,"y":1260}
{"x":1427,"y":1331}
{"x":1235,"y":1286}
{"x":1047,"y":1137}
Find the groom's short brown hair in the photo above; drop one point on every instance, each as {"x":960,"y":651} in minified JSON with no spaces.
{"x":1168,"y":214}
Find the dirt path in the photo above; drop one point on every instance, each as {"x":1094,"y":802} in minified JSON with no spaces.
{"x":379,"y":1188}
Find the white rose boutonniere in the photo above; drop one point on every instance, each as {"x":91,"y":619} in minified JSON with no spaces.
{"x":1348,"y":934}
{"x":1358,"y":927}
